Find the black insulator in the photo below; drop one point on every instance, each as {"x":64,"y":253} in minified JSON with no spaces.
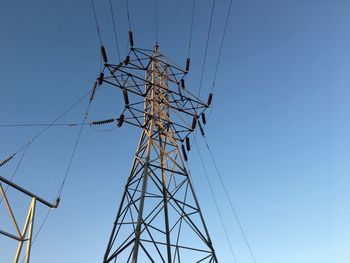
{"x":120,"y":120}
{"x":100,"y":78}
{"x":201,"y":128}
{"x":188,"y":64}
{"x":104,"y":55}
{"x":184,"y":152}
{"x":210,"y":98}
{"x":127,"y":60}
{"x":188,"y":146}
{"x":131,"y":39}
{"x":6,"y":160}
{"x":102,"y":122}
{"x":204,"y":120}
{"x":93,"y":91}
{"x":194,"y":122}
{"x":126,"y":97}
{"x":182,"y":83}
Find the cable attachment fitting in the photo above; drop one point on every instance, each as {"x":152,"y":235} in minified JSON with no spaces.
{"x":6,"y":160}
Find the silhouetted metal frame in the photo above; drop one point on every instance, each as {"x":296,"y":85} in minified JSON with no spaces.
{"x":27,"y":231}
{"x":149,"y":108}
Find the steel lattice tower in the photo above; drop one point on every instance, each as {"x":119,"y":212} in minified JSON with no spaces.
{"x":159,"y":218}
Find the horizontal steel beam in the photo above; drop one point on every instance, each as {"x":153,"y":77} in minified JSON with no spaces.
{"x":21,"y":189}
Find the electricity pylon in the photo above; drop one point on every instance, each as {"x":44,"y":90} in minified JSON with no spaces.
{"x":159,"y":218}
{"x":24,"y":236}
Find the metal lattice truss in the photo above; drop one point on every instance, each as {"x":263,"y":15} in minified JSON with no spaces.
{"x":23,"y":237}
{"x":130,"y":77}
{"x":159,"y":218}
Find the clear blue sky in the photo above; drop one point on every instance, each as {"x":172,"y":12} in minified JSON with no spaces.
{"x":280,"y":128}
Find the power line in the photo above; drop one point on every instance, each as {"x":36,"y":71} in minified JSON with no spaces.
{"x":74,"y":151}
{"x":206,"y":47}
{"x":191,"y":28}
{"x":53,"y":122}
{"x":222,"y":43}
{"x":96,"y":21}
{"x":215,"y":201}
{"x":230,"y":201}
{"x":156,"y":18}
{"x":128,"y":13}
{"x":114,"y":28}
{"x":40,"y":125}
{"x":39,"y":230}
{"x":220,"y":51}
{"x":59,"y":193}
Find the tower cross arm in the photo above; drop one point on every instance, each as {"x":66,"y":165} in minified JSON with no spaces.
{"x":26,"y":192}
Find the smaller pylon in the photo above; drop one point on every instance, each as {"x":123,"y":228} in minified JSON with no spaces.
{"x":26,"y":235}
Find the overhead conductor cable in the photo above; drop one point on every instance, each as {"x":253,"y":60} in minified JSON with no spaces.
{"x":216,"y":203}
